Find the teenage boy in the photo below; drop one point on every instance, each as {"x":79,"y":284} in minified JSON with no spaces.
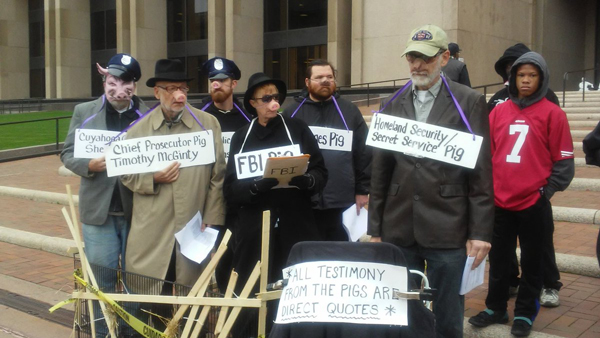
{"x":532,"y":158}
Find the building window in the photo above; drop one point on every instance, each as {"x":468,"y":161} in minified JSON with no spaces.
{"x":187,"y":20}
{"x":283,"y":15}
{"x":289,"y":64}
{"x":103,"y":26}
{"x":37,"y":71}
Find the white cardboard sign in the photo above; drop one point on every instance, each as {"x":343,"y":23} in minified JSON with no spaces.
{"x":252,"y":163}
{"x":343,"y":292}
{"x":226,"y":137}
{"x":154,"y":153}
{"x":333,"y":139}
{"x":424,"y":140}
{"x":91,"y":143}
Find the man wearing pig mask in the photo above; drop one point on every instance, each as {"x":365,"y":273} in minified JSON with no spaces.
{"x":104,"y":203}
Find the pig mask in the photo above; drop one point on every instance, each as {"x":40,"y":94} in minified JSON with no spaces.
{"x":118,"y":92}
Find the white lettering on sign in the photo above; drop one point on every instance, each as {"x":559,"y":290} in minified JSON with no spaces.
{"x":424,"y":140}
{"x":333,"y":139}
{"x":154,"y":153}
{"x":91,"y":143}
{"x":226,"y":137}
{"x":252,"y":164}
{"x":343,"y":292}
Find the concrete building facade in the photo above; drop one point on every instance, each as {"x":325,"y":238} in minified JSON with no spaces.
{"x":48,"y":48}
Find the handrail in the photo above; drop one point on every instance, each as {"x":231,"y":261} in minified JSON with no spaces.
{"x":566,"y":76}
{"x":485,"y":87}
{"x":21,"y":105}
{"x":368,"y":84}
{"x":56,"y":149}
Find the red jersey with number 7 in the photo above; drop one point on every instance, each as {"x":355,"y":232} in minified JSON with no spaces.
{"x":525,"y":145}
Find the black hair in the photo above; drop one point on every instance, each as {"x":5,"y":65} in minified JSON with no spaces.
{"x":319,"y":62}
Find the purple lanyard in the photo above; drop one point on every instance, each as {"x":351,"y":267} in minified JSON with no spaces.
{"x":137,"y":111}
{"x":141,"y":116}
{"x":235,"y":105}
{"x":337,"y":107}
{"x":460,"y":111}
{"x":195,"y":118}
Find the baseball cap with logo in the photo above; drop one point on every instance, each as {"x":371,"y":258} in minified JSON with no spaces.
{"x":125,"y":67}
{"x":427,"y":40}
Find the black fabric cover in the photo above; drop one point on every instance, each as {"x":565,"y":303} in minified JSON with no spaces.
{"x":420,"y":319}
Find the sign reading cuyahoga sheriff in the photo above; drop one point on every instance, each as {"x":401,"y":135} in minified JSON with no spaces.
{"x":343,"y":292}
{"x":91,"y":143}
{"x":424,"y":140}
{"x":154,"y":153}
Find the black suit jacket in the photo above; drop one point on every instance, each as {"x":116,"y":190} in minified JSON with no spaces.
{"x":428,"y":202}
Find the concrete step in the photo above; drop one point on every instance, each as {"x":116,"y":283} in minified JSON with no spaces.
{"x":580,"y":124}
{"x":580,"y":110}
{"x":583,"y":116}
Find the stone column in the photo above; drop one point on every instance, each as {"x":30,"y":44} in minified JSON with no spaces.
{"x":50,"y":47}
{"x":356,"y":44}
{"x":244,"y":42}
{"x":123,"y":26}
{"x":339,"y":37}
{"x":148,"y":35}
{"x":72,"y":48}
{"x":216,"y":29}
{"x":14,"y":50}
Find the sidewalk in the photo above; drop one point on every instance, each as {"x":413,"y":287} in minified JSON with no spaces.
{"x":577,"y":316}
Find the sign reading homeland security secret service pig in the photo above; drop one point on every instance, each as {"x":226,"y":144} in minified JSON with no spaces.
{"x":424,"y":140}
{"x":343,"y":292}
{"x":333,"y":139}
{"x":252,"y":163}
{"x":91,"y":143}
{"x":154,"y":153}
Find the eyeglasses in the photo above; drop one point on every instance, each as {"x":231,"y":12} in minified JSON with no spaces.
{"x":173,"y":89}
{"x":412,"y":57}
{"x":267,"y":98}
{"x":323,"y":79}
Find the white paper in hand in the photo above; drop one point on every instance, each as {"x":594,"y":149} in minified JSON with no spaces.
{"x":356,"y":225}
{"x":194,"y":243}
{"x":471,"y":278}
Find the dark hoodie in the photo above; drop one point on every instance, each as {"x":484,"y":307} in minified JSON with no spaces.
{"x":564,"y":170}
{"x":511,"y":54}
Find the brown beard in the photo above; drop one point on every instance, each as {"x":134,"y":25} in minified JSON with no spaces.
{"x":220,"y":96}
{"x":319,"y":93}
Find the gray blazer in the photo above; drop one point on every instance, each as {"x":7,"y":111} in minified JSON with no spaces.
{"x":431,"y":203}
{"x":96,"y":189}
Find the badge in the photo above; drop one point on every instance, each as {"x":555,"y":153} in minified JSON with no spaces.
{"x":218,"y":64}
{"x":422,"y":35}
{"x":126,"y":59}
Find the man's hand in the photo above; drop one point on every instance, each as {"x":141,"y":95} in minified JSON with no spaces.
{"x":361,"y":201}
{"x":204,"y":226}
{"x":97,"y":165}
{"x":477,"y":249}
{"x":375,"y":239}
{"x":168,"y":175}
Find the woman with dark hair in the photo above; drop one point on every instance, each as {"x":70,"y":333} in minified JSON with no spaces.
{"x":292,"y":220}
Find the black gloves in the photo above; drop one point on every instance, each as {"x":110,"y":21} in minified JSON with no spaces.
{"x":304,"y":182}
{"x":263,"y":184}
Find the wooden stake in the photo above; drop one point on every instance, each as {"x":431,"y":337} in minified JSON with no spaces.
{"x":228,"y":293}
{"x":264,"y":270}
{"x":244,"y":294}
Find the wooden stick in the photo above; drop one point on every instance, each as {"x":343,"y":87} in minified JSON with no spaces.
{"x":205,"y":276}
{"x":189,"y":324}
{"x":174,"y":300}
{"x":228,"y":293}
{"x":200,"y":321}
{"x":244,"y":294}
{"x":264,"y":271}
{"x":89,"y":275}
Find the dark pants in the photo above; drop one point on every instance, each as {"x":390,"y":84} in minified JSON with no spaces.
{"x":531,"y":227}
{"x":444,"y":272}
{"x":329,"y":222}
{"x":550,"y":270}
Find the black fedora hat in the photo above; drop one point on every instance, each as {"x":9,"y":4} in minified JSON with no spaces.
{"x":257,"y":80}
{"x":168,"y":70}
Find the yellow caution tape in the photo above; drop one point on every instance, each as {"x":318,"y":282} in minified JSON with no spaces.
{"x":136,"y":324}
{"x":61,"y":304}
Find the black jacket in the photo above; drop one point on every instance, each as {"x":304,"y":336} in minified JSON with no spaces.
{"x":352,"y":169}
{"x":457,"y":71}
{"x":230,"y":121}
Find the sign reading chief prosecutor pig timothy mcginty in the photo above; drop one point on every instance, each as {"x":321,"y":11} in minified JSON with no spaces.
{"x":343,"y":292}
{"x":154,"y":153}
{"x":424,"y":140}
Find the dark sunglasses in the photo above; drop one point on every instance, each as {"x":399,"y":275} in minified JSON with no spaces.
{"x":267,"y":98}
{"x":411,"y":57}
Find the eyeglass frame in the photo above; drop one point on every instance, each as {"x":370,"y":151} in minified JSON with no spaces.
{"x":425,"y":58}
{"x":183,"y":89}
{"x":268,"y":98}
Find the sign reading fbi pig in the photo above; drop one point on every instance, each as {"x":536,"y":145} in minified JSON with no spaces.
{"x":154,"y":153}
{"x":424,"y":140}
{"x":343,"y":292}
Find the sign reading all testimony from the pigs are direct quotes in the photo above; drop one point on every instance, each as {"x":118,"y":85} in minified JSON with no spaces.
{"x":424,"y":140}
{"x":343,"y":292}
{"x":154,"y":153}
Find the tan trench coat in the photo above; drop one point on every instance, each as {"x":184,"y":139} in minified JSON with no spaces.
{"x":161,"y":210}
